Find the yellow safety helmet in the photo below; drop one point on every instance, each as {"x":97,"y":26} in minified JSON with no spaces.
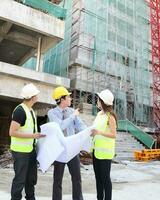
{"x":59,"y":92}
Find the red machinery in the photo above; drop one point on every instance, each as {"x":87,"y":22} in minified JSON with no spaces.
{"x":155,"y":41}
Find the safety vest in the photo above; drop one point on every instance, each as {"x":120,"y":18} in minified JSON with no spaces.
{"x":24,"y":144}
{"x":104,"y":147}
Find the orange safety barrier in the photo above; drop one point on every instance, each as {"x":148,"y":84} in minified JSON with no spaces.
{"x":147,"y":155}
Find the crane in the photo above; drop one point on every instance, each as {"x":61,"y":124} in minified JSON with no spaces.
{"x":155,"y":52}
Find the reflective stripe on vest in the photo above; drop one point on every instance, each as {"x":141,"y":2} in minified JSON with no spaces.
{"x":104,"y":147}
{"x":24,"y":144}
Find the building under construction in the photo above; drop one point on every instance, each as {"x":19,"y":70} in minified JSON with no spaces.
{"x":26,"y":31}
{"x":85,"y":45}
{"x":107,"y":45}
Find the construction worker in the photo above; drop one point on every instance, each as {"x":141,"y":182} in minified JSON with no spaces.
{"x":70,"y":123}
{"x":23,"y":132}
{"x":104,"y":144}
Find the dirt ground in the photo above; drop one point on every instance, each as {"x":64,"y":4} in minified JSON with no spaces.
{"x":131,"y":181}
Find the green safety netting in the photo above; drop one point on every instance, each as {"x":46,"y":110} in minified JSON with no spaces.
{"x":47,"y":7}
{"x":111,"y":39}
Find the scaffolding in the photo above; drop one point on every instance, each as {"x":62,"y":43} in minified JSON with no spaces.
{"x":106,"y":45}
{"x":56,"y":60}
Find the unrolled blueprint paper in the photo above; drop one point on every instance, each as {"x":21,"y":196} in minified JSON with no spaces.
{"x":57,"y":147}
{"x":49,"y":147}
{"x":76,"y":143}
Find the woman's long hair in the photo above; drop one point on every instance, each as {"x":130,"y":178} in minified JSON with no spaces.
{"x":108,"y":108}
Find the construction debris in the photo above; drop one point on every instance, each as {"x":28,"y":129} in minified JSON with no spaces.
{"x":6,"y":159}
{"x":85,"y":158}
{"x":147,"y":155}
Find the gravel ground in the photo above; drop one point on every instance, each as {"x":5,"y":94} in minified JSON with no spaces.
{"x":131,"y":181}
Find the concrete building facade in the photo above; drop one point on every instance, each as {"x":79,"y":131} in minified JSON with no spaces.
{"x":107,"y":45}
{"x":25,"y":31}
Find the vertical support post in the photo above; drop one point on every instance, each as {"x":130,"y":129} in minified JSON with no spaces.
{"x":93,"y":71}
{"x":39,"y":54}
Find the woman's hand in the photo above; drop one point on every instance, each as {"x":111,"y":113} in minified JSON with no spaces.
{"x":95,"y":132}
{"x":83,"y":153}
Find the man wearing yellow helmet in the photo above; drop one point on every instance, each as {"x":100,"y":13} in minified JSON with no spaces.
{"x":70,"y":123}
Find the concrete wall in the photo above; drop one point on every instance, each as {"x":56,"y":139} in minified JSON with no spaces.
{"x":26,"y":32}
{"x":31,"y":18}
{"x":13,"y":78}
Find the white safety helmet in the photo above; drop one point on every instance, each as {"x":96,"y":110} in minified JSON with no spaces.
{"x":106,"y":96}
{"x":29,"y":91}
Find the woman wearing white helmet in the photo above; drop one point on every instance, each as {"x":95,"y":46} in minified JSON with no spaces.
{"x":104,"y":144}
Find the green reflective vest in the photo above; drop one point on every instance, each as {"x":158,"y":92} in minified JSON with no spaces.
{"x":104,"y":147}
{"x":24,"y":144}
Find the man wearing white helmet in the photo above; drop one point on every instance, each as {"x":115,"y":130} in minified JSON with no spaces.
{"x":23,"y":132}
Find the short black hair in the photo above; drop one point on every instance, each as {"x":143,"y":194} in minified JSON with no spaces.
{"x":58,"y":101}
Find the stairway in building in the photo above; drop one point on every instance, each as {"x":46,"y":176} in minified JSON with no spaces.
{"x":126,"y":144}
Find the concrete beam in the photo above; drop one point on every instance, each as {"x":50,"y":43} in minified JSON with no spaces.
{"x":28,"y":74}
{"x":48,"y":43}
{"x":13,"y":78}
{"x":32,"y":19}
{"x":20,"y":38}
{"x":11,"y":87}
{"x":5,"y":29}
